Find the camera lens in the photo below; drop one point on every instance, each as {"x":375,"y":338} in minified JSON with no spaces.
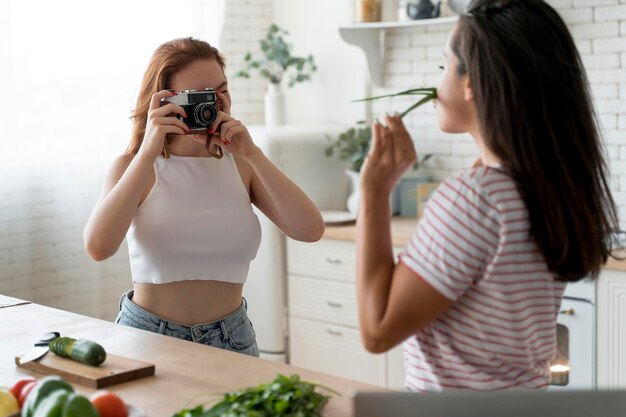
{"x":205,"y":114}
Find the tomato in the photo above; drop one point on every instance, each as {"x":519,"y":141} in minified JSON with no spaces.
{"x":18,"y":386}
{"x":109,"y":404}
{"x":25,"y":391}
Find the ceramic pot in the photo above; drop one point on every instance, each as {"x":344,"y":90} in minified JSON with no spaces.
{"x":423,"y":9}
{"x":355,"y":196}
{"x":458,"y":6}
{"x":274,"y":105}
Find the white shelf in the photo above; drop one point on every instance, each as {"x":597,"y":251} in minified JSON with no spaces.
{"x":370,"y":37}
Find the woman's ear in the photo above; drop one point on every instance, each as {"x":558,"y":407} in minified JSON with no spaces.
{"x":468,"y":93}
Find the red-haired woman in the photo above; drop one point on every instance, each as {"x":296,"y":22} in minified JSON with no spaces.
{"x":187,"y":213}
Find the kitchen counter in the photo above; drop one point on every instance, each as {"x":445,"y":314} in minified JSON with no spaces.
{"x":402,"y":229}
{"x":183,"y":369}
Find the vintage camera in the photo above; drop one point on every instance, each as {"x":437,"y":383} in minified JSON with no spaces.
{"x":200,"y":107}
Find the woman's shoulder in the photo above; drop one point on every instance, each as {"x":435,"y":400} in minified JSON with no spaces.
{"x":476,"y":188}
{"x":482,"y":178}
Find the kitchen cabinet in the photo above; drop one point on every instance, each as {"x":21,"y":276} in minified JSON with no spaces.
{"x":611,"y":314}
{"x":323,"y":322}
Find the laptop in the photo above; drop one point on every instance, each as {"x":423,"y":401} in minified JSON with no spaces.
{"x":491,"y":404}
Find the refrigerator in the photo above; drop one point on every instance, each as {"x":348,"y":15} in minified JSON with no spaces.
{"x":299,"y":152}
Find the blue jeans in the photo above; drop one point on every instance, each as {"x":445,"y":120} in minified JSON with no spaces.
{"x":234,"y":332}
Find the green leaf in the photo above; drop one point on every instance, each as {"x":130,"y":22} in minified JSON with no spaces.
{"x":419,"y":103}
{"x":413,"y":91}
{"x":279,"y":61}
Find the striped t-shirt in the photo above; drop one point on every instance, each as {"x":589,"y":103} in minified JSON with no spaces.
{"x":473,"y":246}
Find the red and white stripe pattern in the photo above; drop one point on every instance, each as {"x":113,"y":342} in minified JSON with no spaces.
{"x":473,"y":245}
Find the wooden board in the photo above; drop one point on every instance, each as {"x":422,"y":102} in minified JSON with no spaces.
{"x":114,"y":370}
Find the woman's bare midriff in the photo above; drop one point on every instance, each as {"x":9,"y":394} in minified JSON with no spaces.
{"x":189,"y":302}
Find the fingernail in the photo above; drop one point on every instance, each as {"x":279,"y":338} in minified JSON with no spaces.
{"x":210,"y":131}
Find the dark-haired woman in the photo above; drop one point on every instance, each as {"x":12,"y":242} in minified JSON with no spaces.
{"x":476,"y":292}
{"x":186,"y":213}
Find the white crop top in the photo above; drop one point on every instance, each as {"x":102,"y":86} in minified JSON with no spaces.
{"x":196,"y":223}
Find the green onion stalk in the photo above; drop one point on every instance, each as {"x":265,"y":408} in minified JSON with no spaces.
{"x":429,"y":93}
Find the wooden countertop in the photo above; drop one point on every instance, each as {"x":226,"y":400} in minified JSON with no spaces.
{"x":183,"y":369}
{"x":402,"y":229}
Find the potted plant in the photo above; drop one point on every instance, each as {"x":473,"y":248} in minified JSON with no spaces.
{"x":353,"y":144}
{"x":277,"y":63}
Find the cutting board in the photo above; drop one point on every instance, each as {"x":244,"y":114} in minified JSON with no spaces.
{"x":114,"y":370}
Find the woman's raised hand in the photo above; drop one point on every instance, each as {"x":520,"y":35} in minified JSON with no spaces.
{"x":391,"y":154}
{"x":161,"y":121}
{"x":230,"y":133}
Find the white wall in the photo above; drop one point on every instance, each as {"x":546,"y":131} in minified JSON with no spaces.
{"x":342,"y":69}
{"x":246,"y":21}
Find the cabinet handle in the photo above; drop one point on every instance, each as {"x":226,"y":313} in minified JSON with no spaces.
{"x":568,"y":311}
{"x":334,"y":332}
{"x":334,"y":304}
{"x":333,"y":260}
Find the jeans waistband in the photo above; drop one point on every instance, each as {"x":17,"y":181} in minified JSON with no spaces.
{"x":231,"y":321}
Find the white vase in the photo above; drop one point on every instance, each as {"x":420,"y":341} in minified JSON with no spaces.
{"x":355,"y":197}
{"x":274,"y":105}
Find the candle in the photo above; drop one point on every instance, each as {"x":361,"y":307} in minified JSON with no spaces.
{"x":559,"y":374}
{"x":368,"y":11}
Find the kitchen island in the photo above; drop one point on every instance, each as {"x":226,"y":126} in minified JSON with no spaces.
{"x":183,"y":369}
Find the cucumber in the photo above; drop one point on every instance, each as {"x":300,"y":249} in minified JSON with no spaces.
{"x":82,"y":350}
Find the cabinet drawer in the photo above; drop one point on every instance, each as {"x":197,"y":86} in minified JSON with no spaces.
{"x":334,"y":350}
{"x":329,"y":259}
{"x":333,"y":302}
{"x":396,"y":373}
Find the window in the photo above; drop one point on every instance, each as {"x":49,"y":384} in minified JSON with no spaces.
{"x":71,"y":70}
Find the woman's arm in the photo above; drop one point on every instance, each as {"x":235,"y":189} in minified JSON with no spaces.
{"x":122,"y":190}
{"x":127,"y":181}
{"x":393,"y":302}
{"x":283,"y":202}
{"x":279,"y":198}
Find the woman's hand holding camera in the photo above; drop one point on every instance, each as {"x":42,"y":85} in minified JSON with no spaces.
{"x":230,"y":133}
{"x":161,"y":121}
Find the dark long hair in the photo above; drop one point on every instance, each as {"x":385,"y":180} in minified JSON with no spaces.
{"x":535,"y":113}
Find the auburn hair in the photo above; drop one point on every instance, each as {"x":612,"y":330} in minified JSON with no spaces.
{"x":535,"y":113}
{"x":167,"y":60}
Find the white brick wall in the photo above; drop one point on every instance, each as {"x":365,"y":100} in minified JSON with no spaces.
{"x":42,"y":213}
{"x":246,"y":22}
{"x":599,"y":28}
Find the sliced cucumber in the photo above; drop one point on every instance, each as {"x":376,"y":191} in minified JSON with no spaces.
{"x":82,"y":350}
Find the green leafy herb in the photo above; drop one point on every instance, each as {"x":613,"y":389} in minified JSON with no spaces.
{"x":429,"y":93}
{"x":278,"y":60}
{"x":353,"y":144}
{"x":283,"y":397}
